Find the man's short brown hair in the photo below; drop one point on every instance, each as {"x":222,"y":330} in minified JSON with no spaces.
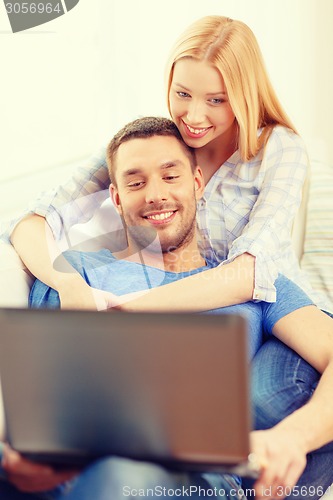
{"x":144,"y":128}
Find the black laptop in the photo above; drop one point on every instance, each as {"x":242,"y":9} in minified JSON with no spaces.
{"x":166,"y":388}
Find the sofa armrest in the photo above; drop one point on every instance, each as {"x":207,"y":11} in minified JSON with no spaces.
{"x":15,"y":279}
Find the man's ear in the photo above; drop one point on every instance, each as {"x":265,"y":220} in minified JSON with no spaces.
{"x":115,"y":198}
{"x":199,"y":183}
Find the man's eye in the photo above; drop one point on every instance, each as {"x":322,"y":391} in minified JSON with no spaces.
{"x":171,"y":177}
{"x":135,"y":184}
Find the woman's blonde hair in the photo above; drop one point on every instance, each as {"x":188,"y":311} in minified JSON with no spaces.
{"x":231,"y":47}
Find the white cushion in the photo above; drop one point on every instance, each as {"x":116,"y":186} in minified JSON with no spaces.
{"x":329,"y":494}
{"x":317,"y":258}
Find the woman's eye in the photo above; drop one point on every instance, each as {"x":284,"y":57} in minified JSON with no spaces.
{"x":216,"y":101}
{"x":183,"y":94}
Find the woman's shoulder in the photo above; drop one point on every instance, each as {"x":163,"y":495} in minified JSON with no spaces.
{"x":283,"y":143}
{"x":284,"y":148}
{"x":285,"y":137}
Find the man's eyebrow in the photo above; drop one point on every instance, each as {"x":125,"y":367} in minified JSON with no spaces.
{"x":221,"y":92}
{"x":138,"y":170}
{"x":131,"y":171}
{"x":172,"y":163}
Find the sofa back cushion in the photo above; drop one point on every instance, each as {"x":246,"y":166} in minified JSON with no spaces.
{"x":317,"y":259}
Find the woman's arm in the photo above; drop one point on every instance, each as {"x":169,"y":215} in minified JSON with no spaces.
{"x":279,"y":183}
{"x":75,"y":201}
{"x":34,"y":242}
{"x":218,"y":287}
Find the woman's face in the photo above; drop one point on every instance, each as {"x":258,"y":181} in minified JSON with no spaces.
{"x":199,"y":103}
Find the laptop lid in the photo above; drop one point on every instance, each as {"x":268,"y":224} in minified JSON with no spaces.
{"x":166,"y":388}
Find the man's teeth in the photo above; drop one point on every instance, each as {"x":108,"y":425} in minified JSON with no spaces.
{"x":196,"y":131}
{"x":165,"y":215}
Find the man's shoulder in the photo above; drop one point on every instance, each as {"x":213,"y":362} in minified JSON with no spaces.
{"x":84,"y":258}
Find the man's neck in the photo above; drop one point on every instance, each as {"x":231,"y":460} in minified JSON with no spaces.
{"x":183,"y":260}
{"x":177,"y":261}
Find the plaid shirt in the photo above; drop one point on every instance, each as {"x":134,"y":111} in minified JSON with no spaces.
{"x":247,"y":207}
{"x":250,"y":207}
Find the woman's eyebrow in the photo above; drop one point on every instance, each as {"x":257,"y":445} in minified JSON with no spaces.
{"x":220,"y":92}
{"x":182,"y":86}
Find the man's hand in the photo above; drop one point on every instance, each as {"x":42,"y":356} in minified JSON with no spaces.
{"x":31,"y":477}
{"x":282,"y":456}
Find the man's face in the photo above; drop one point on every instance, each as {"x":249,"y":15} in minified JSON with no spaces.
{"x":156,"y":192}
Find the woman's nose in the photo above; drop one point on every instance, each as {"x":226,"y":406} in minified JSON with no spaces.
{"x":196,"y":113}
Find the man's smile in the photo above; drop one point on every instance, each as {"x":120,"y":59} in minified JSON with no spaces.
{"x":160,"y":217}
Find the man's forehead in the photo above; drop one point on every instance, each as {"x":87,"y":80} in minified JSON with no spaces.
{"x":158,"y":151}
{"x":162,"y":142}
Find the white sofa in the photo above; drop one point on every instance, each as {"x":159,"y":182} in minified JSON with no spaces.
{"x":312,"y":238}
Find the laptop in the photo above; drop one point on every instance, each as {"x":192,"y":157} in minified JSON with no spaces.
{"x":166,"y":388}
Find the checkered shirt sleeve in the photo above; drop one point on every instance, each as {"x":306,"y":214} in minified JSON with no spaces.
{"x":73,"y":202}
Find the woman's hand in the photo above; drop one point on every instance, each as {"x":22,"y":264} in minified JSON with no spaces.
{"x":281,"y":455}
{"x":31,"y":477}
{"x":75,"y":293}
{"x":124,"y":302}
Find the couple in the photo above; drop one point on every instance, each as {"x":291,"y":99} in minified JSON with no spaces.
{"x":156,"y":184}
{"x":254,"y":164}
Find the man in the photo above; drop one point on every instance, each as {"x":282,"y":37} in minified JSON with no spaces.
{"x":155,"y":185}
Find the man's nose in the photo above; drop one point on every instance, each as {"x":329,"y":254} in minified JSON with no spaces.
{"x":196,"y":113}
{"x":156,"y":191}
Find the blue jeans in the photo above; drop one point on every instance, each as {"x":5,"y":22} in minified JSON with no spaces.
{"x":282,"y":382}
{"x":122,"y":479}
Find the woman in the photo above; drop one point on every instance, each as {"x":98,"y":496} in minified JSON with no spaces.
{"x":254,"y":165}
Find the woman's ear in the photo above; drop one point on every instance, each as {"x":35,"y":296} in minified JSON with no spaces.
{"x":199,"y":183}
{"x":115,"y":198}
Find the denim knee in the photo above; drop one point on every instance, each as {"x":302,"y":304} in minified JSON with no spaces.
{"x":118,"y":478}
{"x":282,"y":382}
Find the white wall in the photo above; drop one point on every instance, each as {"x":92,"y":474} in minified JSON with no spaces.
{"x":67,"y":86}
